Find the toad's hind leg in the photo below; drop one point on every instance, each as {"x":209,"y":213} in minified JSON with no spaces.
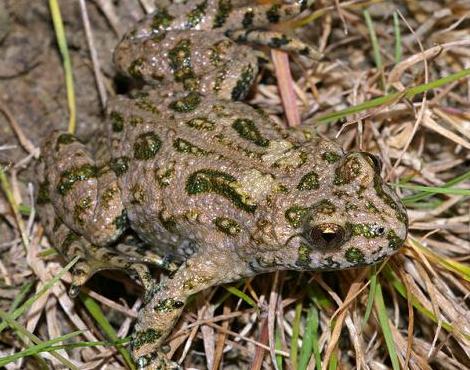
{"x":275,"y":40}
{"x":79,"y":202}
{"x":85,"y":195}
{"x":258,"y":15}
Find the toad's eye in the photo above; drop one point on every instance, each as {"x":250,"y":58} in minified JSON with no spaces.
{"x":375,"y":161}
{"x":327,"y":236}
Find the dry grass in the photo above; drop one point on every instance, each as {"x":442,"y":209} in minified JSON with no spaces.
{"x":412,"y":311}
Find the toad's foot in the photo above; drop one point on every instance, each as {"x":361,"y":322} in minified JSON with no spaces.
{"x":157,"y":361}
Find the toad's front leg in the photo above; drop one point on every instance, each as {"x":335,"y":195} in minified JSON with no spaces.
{"x":161,"y":311}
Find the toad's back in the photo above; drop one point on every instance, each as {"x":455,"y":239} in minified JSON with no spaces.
{"x":193,"y":169}
{"x":211,"y":168}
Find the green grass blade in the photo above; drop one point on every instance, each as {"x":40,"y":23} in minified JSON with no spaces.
{"x":20,"y":310}
{"x":315,"y":343}
{"x":24,"y":209}
{"x":370,"y":298}
{"x":47,"y":346}
{"x":38,"y":348}
{"x":393,"y":98}
{"x":62,"y":43}
{"x":96,"y":312}
{"x":424,"y":205}
{"x":401,"y":289}
{"x":25,"y":335}
{"x":461,"y":269}
{"x":295,"y":335}
{"x":435,"y":189}
{"x":424,"y":194}
{"x":375,"y":46}
{"x":384,"y":324}
{"x":397,"y":32}
{"x":333,"y":365}
{"x":242,"y":295}
{"x":278,"y":346}
{"x":307,"y":342}
{"x":318,"y":297}
{"x":24,"y":290}
{"x":5,"y":186}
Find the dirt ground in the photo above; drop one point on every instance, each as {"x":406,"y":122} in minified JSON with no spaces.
{"x":433,"y":266}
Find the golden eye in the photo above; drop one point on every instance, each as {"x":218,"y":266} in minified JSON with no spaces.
{"x":327,"y":236}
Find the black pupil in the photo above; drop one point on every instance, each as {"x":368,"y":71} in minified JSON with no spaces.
{"x":329,"y":237}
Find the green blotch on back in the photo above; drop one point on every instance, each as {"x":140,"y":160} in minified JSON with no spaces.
{"x":119,"y":165}
{"x":272,"y":14}
{"x":196,"y":15}
{"x":135,"y":120}
{"x":161,"y":19}
{"x":354,"y":255}
{"x":80,"y":207}
{"x":117,"y":121}
{"x":248,"y":19}
{"x":247,"y":129}
{"x":212,"y":181}
{"x":144,"y":103}
{"x":121,"y":221}
{"x":201,"y":123}
{"x":295,"y":215}
{"x":184,"y":146}
{"x":331,"y":157}
{"x":187,"y":103}
{"x":168,"y":222}
{"x":145,"y":337}
{"x":243,"y":84}
{"x":168,"y":305}
{"x":309,"y":181}
{"x":180,"y":63}
{"x":325,"y":207}
{"x":227,"y":226}
{"x":303,"y":259}
{"x":146,"y":146}
{"x":351,"y":206}
{"x":65,"y":139}
{"x":70,"y":177}
{"x":135,"y":68}
{"x":368,"y":231}
{"x":223,"y":11}
{"x":394,"y":242}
